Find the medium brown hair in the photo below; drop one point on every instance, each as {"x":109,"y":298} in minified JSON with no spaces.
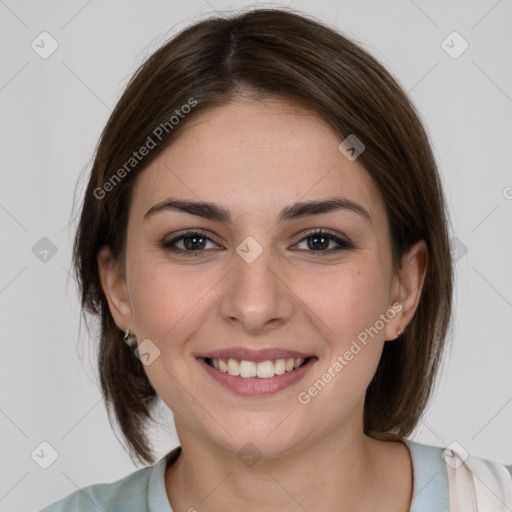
{"x":273,"y":53}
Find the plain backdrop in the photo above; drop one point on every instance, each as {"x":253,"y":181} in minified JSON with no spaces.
{"x":52,"y":112}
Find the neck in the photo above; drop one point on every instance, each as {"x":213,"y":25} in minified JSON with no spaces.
{"x":338,"y":472}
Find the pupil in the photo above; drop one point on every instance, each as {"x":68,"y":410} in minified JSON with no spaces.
{"x":315,"y":239}
{"x":192,"y":239}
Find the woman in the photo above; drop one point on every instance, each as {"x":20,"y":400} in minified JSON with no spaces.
{"x":265,"y":241}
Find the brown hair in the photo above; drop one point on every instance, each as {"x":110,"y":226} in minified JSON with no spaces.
{"x":271,"y":53}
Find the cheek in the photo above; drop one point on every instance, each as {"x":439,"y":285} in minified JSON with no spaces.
{"x":170,"y":303}
{"x":164,"y":301}
{"x":347,"y":300}
{"x":362,"y":299}
{"x":168,"y":306}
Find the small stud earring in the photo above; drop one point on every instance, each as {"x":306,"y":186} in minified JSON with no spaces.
{"x":131,"y":341}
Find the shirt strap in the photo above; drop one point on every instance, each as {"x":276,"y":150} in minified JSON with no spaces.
{"x":476,"y":484}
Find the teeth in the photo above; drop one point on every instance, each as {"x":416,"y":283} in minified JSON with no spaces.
{"x":233,"y":367}
{"x":265,"y":370}
{"x":262,"y":369}
{"x":247,"y":369}
{"x":279,"y":366}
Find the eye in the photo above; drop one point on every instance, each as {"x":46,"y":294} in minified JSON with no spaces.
{"x":318,"y":241}
{"x":193,"y":243}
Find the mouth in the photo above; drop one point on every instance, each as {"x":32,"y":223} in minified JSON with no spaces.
{"x":256,"y":373}
{"x":260,"y":369}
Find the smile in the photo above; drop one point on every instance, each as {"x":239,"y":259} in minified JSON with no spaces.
{"x":252,"y":373}
{"x":262,"y":369}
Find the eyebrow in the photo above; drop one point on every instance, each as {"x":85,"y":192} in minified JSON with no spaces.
{"x":297,"y":210}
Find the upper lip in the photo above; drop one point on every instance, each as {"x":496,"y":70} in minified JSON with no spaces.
{"x":257,"y":355}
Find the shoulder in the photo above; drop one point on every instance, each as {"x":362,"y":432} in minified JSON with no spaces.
{"x":476,"y":481}
{"x":469,"y":482}
{"x":129,"y":490}
{"x":128,"y":493}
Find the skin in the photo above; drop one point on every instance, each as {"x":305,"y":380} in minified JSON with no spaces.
{"x":254,"y":158}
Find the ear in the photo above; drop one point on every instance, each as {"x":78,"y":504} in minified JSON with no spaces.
{"x":113,"y":283}
{"x":407,"y":287}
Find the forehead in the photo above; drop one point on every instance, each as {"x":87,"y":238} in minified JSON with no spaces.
{"x":256,"y":156}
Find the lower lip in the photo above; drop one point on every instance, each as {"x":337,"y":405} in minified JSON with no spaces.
{"x":255,"y":386}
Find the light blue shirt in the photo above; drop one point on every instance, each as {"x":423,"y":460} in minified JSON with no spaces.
{"x":144,"y":489}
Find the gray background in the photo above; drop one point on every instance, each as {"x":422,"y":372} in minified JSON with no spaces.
{"x":53,"y":111}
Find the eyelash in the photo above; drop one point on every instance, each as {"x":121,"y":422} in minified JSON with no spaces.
{"x":168,"y":245}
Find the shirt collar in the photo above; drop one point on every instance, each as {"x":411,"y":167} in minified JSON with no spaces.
{"x":157,"y":495}
{"x":430,"y":490}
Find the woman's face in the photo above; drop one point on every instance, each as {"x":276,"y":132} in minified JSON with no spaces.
{"x":250,"y":286}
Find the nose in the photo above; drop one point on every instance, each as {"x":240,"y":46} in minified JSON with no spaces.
{"x":257,"y":296}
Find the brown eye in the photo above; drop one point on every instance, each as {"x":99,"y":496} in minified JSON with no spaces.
{"x":322,"y":242}
{"x":193,"y":242}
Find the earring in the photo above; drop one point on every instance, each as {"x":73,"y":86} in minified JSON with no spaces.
{"x":399,"y":332}
{"x":131,"y":341}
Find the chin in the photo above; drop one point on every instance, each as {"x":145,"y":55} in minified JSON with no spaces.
{"x":259,"y":435}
